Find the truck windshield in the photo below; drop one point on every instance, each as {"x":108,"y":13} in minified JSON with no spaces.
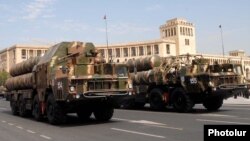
{"x":238,"y":70}
{"x":121,"y":71}
{"x":226,"y":68}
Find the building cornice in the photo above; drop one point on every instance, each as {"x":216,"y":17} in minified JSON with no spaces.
{"x":137,"y":43}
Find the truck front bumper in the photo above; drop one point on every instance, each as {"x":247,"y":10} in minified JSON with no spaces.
{"x":226,"y":91}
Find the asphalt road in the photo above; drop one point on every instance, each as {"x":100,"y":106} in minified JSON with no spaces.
{"x":126,"y":125}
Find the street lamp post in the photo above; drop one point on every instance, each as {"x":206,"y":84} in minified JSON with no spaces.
{"x":222,"y":43}
{"x":106,"y":25}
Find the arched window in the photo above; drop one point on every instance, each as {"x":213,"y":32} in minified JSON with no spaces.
{"x":247,"y":73}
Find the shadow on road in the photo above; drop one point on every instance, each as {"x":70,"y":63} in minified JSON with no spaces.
{"x":72,"y":120}
{"x":171,"y":110}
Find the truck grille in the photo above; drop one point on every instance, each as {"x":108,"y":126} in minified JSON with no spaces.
{"x":228,"y":80}
{"x":99,"y":85}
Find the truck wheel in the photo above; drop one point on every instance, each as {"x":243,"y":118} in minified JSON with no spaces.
{"x":139,"y":104}
{"x":105,"y":113}
{"x":36,"y":110}
{"x":55,"y":113}
{"x":213,"y":104}
{"x":127,"y":103}
{"x":155,"y":99}
{"x":23,"y":112}
{"x":13,"y":105}
{"x":181,"y":101}
{"x":84,"y":114}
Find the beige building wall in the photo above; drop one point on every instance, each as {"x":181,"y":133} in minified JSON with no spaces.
{"x":177,"y":36}
{"x":182,"y":32}
{"x":19,"y":53}
{"x":134,"y":50}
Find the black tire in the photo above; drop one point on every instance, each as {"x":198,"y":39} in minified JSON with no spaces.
{"x":104,"y":113}
{"x":14,"y":106}
{"x":55,"y":112}
{"x":213,"y":104}
{"x":156,"y":100}
{"x":181,"y":101}
{"x":36,"y":109}
{"x":23,"y":112}
{"x":139,"y":104}
{"x":127,"y":103}
{"x":84,"y":114}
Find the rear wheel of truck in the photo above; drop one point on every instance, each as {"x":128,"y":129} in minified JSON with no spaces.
{"x":213,"y":104}
{"x":181,"y":101}
{"x":36,"y":110}
{"x":13,"y":105}
{"x":156,"y":100}
{"x":23,"y":112}
{"x":84,"y":114}
{"x":104,"y":113}
{"x":55,"y":113}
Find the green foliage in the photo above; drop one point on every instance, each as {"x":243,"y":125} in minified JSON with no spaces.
{"x":3,"y":77}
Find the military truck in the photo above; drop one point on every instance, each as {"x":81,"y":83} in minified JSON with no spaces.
{"x":182,"y":82}
{"x":71,"y":77}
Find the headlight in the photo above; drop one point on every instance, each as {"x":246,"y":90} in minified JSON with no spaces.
{"x":210,"y":84}
{"x":130,"y":86}
{"x":71,"y":88}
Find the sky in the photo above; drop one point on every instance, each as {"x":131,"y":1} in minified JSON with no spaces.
{"x":52,"y":21}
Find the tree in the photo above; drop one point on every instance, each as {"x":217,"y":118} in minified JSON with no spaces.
{"x":3,"y":77}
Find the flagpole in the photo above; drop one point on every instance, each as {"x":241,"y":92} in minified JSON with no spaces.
{"x":107,"y":41}
{"x":222,"y":40}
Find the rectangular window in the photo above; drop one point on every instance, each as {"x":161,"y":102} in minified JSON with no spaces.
{"x":187,"y":42}
{"x":109,"y":52}
{"x":39,"y":52}
{"x":125,"y":52}
{"x":156,"y":49}
{"x":168,"y":49}
{"x":148,"y":50}
{"x":24,"y":54}
{"x":102,"y":52}
{"x":141,"y":51}
{"x":181,"y":31}
{"x":133,"y":51}
{"x":174,"y":31}
{"x":14,"y":54}
{"x":31,"y":53}
{"x":117,"y":51}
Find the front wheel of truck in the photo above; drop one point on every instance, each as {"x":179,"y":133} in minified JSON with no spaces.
{"x":213,"y":104}
{"x":84,"y":114}
{"x":55,"y":113}
{"x":104,"y":113}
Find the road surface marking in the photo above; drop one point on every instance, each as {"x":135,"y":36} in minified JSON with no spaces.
{"x":30,"y":131}
{"x":217,"y":115}
{"x":19,"y":127}
{"x":10,"y":124}
{"x":139,"y":133}
{"x":140,"y":121}
{"x":46,"y":137}
{"x":121,"y":119}
{"x":218,"y":121}
{"x":3,"y":121}
{"x":236,"y":109}
{"x":167,"y":127}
